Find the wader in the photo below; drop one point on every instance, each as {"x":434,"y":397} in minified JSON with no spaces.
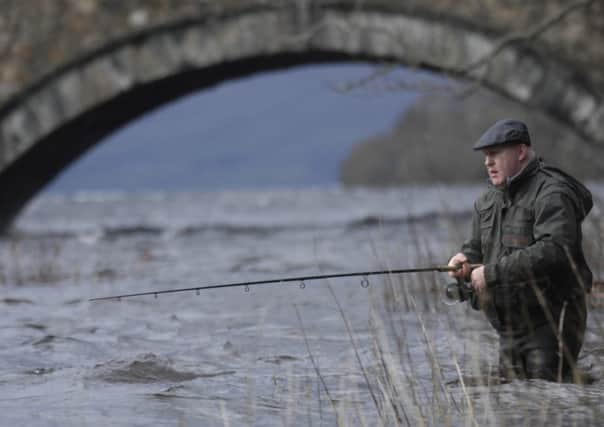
{"x":537,"y":351}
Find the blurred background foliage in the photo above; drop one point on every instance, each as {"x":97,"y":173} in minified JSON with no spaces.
{"x":432,"y":141}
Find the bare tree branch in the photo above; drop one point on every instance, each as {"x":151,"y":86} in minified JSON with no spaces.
{"x":531,"y":36}
{"x":509,"y":40}
{"x":378,"y":72}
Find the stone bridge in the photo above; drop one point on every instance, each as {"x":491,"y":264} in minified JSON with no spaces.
{"x":105,"y":67}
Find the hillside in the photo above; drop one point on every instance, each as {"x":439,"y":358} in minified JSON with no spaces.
{"x":431,"y":142}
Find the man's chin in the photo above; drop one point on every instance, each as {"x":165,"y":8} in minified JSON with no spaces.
{"x":496,"y":182}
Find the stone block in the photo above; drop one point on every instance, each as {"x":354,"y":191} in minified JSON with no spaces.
{"x":595,"y":125}
{"x":552,"y":88}
{"x":578,"y":103}
{"x":17,"y":135}
{"x":276,"y":33}
{"x":200,"y":47}
{"x":150,"y":61}
{"x":102,"y":81}
{"x":477,"y":48}
{"x":523,"y":76}
{"x":331,"y":34}
{"x":237,"y":38}
{"x":69,"y":88}
{"x":45,"y":109}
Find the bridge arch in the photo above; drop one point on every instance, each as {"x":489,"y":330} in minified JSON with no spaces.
{"x":51,"y":123}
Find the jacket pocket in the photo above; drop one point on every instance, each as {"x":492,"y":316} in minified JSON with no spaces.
{"x":486,"y":215}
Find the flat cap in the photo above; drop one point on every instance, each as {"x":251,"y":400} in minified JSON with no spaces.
{"x":506,"y":131}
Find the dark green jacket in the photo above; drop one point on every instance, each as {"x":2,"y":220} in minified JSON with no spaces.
{"x":528,"y":236}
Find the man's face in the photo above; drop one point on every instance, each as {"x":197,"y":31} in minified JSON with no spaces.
{"x":503,"y":162}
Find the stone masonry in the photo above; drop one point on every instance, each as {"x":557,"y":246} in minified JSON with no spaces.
{"x":67,"y":63}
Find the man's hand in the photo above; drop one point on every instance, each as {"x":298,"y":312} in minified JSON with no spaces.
{"x":461,"y":261}
{"x":479,"y":284}
{"x":478,"y":281}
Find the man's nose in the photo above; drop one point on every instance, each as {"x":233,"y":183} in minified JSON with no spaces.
{"x":488,"y":160}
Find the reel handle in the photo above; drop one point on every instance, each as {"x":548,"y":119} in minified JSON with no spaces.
{"x":459,"y":291}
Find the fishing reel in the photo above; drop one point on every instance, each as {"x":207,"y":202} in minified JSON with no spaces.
{"x":459,"y":291}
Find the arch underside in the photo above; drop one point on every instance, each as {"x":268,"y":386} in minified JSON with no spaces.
{"x":54,"y":122}
{"x":31,"y":171}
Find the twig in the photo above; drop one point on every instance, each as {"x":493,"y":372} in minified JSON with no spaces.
{"x":561,"y":341}
{"x":462,"y":382}
{"x":378,"y":72}
{"x":316,"y":367}
{"x":486,"y":60}
{"x":521,"y":37}
{"x":356,"y":351}
{"x":389,"y":377}
{"x":549,"y":315}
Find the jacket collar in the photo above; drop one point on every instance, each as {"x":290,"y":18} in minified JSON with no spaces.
{"x":528,"y":171}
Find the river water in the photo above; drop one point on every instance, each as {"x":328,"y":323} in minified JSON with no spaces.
{"x":314,"y":353}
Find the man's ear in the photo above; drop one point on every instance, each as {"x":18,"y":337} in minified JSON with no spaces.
{"x":523,"y":153}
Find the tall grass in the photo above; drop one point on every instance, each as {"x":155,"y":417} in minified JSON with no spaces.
{"x":438,"y":365}
{"x":31,"y":262}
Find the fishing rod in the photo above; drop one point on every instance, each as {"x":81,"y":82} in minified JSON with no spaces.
{"x":302,"y":279}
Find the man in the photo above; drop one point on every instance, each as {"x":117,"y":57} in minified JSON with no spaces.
{"x":527,"y":235}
